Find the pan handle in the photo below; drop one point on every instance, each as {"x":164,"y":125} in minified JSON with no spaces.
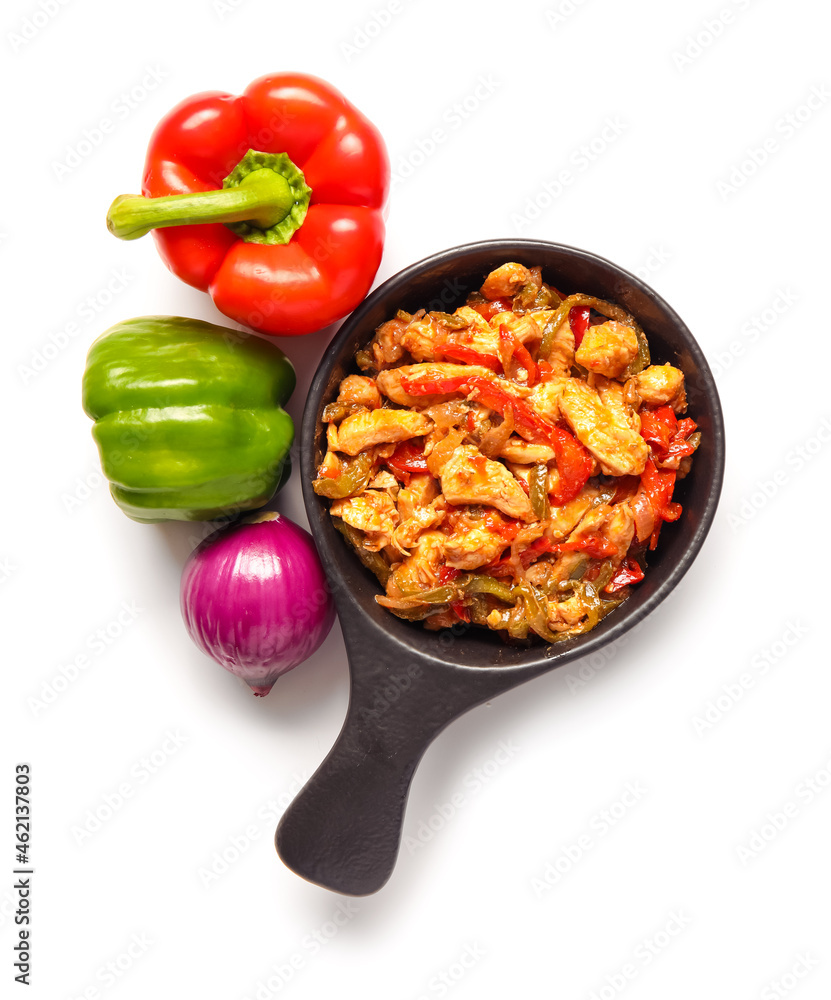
{"x":343,"y":830}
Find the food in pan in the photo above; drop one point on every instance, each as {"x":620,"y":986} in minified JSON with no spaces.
{"x":510,"y":464}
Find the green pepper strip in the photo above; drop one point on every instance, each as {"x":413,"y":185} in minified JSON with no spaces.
{"x":353,"y":479}
{"x":596,"y":607}
{"x":538,"y":490}
{"x":333,"y":413}
{"x":373,"y":561}
{"x":536,"y":611}
{"x":482,"y":584}
{"x":607,"y":571}
{"x":438,"y":595}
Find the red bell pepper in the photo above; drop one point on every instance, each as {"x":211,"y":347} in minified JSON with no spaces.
{"x":490,"y":394}
{"x":469,"y":356}
{"x":627,"y":573}
{"x":593,"y":545}
{"x":512,"y":347}
{"x":666,"y":435}
{"x":493,"y":308}
{"x":293,"y":237}
{"x":578,"y":320}
{"x":408,"y":458}
{"x":574,"y":464}
{"x":656,"y":488}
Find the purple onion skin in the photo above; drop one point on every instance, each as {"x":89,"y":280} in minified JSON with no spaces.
{"x":254,"y":597}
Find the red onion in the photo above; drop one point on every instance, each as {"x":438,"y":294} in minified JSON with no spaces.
{"x":254,"y":598}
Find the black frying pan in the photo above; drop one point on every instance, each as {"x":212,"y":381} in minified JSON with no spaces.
{"x":343,"y":829}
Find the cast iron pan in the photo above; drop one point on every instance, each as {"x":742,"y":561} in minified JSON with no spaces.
{"x":343,"y":829}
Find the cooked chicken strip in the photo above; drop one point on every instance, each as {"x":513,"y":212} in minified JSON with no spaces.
{"x":359,"y":389}
{"x":505,"y":281}
{"x":606,"y":434}
{"x":362,"y":430}
{"x":615,"y":523}
{"x":525,"y":452}
{"x":607,"y":349}
{"x":561,"y":354}
{"x":422,"y":518}
{"x":469,"y":478}
{"x":661,"y":384}
{"x":470,"y":548}
{"x":545,"y":398}
{"x":372,"y":512}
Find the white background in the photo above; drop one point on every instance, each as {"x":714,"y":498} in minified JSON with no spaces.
{"x":693,"y":891}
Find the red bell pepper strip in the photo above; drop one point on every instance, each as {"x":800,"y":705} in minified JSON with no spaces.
{"x":514,"y":347}
{"x":628,"y":572}
{"x":658,"y":427}
{"x":487,"y":392}
{"x":469,"y":356}
{"x":657,"y":486}
{"x":593,"y":545}
{"x":539,"y":547}
{"x":493,"y":308}
{"x":665,"y":434}
{"x":293,"y":237}
{"x":446,"y":574}
{"x":408,"y":458}
{"x":578,"y":320}
{"x":679,"y":446}
{"x":461,"y":611}
{"x":574,"y":465}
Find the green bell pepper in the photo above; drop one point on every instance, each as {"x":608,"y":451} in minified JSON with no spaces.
{"x":188,"y":417}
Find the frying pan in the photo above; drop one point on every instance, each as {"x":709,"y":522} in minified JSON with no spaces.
{"x":343,"y":829}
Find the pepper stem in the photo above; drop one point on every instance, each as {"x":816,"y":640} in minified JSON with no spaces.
{"x":264,"y":200}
